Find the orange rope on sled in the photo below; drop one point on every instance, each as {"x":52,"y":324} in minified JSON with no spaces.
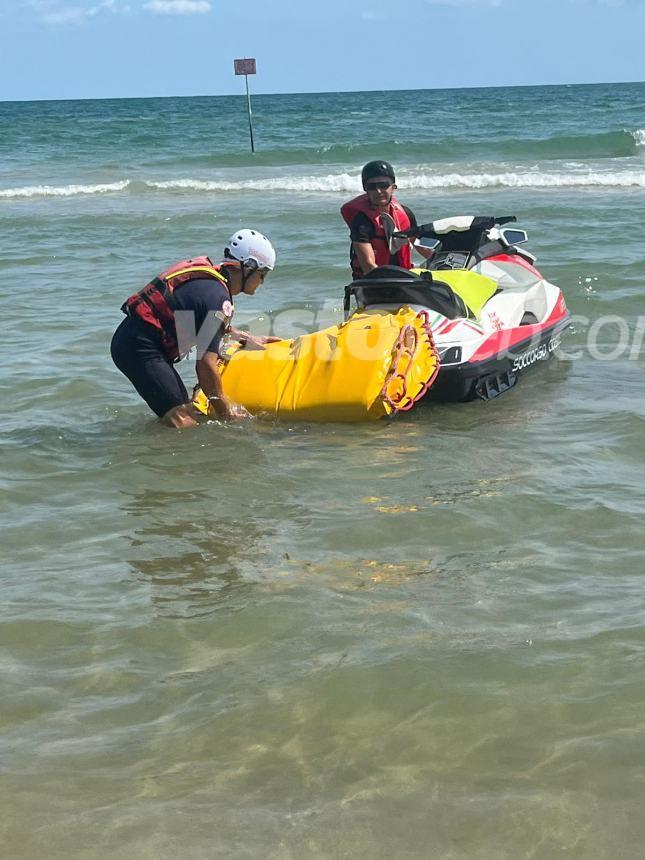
{"x":404,"y":352}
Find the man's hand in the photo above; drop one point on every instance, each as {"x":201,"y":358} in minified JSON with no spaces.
{"x":245,"y":337}
{"x":210,"y":382}
{"x":260,"y":339}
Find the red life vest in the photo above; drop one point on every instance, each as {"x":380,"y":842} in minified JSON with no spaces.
{"x":154,"y":305}
{"x":403,"y":256}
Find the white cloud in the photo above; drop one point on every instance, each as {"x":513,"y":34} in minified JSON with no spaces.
{"x":80,"y":11}
{"x":51,"y":13}
{"x":70,"y":14}
{"x":178,"y":7}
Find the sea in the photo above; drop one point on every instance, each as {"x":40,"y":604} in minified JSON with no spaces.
{"x":422,"y":637}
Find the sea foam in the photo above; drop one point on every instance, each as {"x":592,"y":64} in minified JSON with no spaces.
{"x":639,"y":136}
{"x":346,"y":183}
{"x":63,"y":190}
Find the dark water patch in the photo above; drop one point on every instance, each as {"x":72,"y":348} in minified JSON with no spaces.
{"x":465,"y":148}
{"x":612,"y":144}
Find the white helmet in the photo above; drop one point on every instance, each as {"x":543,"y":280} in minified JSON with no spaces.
{"x":250,"y":247}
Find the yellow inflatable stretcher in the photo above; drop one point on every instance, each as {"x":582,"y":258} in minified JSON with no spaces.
{"x":375,"y":364}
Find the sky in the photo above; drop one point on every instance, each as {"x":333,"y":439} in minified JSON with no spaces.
{"x":57,"y":49}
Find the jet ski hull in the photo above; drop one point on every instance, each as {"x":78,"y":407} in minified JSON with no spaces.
{"x":488,"y":377}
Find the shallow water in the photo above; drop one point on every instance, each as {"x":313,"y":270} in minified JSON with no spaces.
{"x":415,"y":638}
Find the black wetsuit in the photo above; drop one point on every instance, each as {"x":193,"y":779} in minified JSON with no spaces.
{"x":137,"y":352}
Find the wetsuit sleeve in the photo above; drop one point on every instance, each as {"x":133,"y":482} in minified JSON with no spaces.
{"x":208,"y":301}
{"x":214,"y":301}
{"x":361,"y":228}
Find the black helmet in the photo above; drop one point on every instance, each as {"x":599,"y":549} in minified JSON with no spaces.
{"x":377,"y":168}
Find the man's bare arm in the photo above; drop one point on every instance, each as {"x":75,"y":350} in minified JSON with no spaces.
{"x":365,"y":255}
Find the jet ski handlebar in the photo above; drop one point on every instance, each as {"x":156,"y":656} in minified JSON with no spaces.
{"x":437,"y":229}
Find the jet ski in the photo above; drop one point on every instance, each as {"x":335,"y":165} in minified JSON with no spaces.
{"x":492,"y":314}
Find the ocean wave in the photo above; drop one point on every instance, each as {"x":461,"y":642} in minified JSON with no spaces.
{"x":345,"y":182}
{"x":591,"y":179}
{"x":333,"y":182}
{"x":414,"y":149}
{"x":348,"y":183}
{"x":63,"y":190}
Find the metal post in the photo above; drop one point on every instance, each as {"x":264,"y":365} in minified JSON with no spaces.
{"x":248,"y":104}
{"x":246,"y":67}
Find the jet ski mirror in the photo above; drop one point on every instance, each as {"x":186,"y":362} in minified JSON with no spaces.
{"x":426,"y":242}
{"x":511,"y":236}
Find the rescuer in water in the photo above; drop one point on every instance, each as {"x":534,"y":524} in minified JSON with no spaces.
{"x":189,"y":305}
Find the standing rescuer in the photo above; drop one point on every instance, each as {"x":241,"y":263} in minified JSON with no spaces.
{"x":369,"y":247}
{"x":190,"y":304}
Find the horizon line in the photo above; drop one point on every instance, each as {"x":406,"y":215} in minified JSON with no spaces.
{"x":318,"y":92}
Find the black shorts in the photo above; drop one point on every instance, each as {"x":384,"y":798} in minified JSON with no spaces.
{"x":137,"y":353}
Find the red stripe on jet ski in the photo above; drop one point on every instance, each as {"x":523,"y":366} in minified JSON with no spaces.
{"x":503,"y":341}
{"x":448,"y":326}
{"x":472,"y":328}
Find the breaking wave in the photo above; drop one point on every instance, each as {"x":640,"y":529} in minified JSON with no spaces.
{"x":639,"y":136}
{"x":344,"y":182}
{"x":63,"y":190}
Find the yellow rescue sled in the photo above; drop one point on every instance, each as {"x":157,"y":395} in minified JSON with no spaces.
{"x":376,"y":363}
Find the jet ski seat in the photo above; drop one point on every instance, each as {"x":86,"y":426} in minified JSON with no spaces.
{"x":393,"y":285}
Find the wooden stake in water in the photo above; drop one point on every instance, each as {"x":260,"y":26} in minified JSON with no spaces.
{"x":246,"y":67}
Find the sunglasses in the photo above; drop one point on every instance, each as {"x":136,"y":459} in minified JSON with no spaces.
{"x":378,"y":186}
{"x":263,"y":273}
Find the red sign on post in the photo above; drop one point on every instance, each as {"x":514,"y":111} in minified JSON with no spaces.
{"x":245,"y":66}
